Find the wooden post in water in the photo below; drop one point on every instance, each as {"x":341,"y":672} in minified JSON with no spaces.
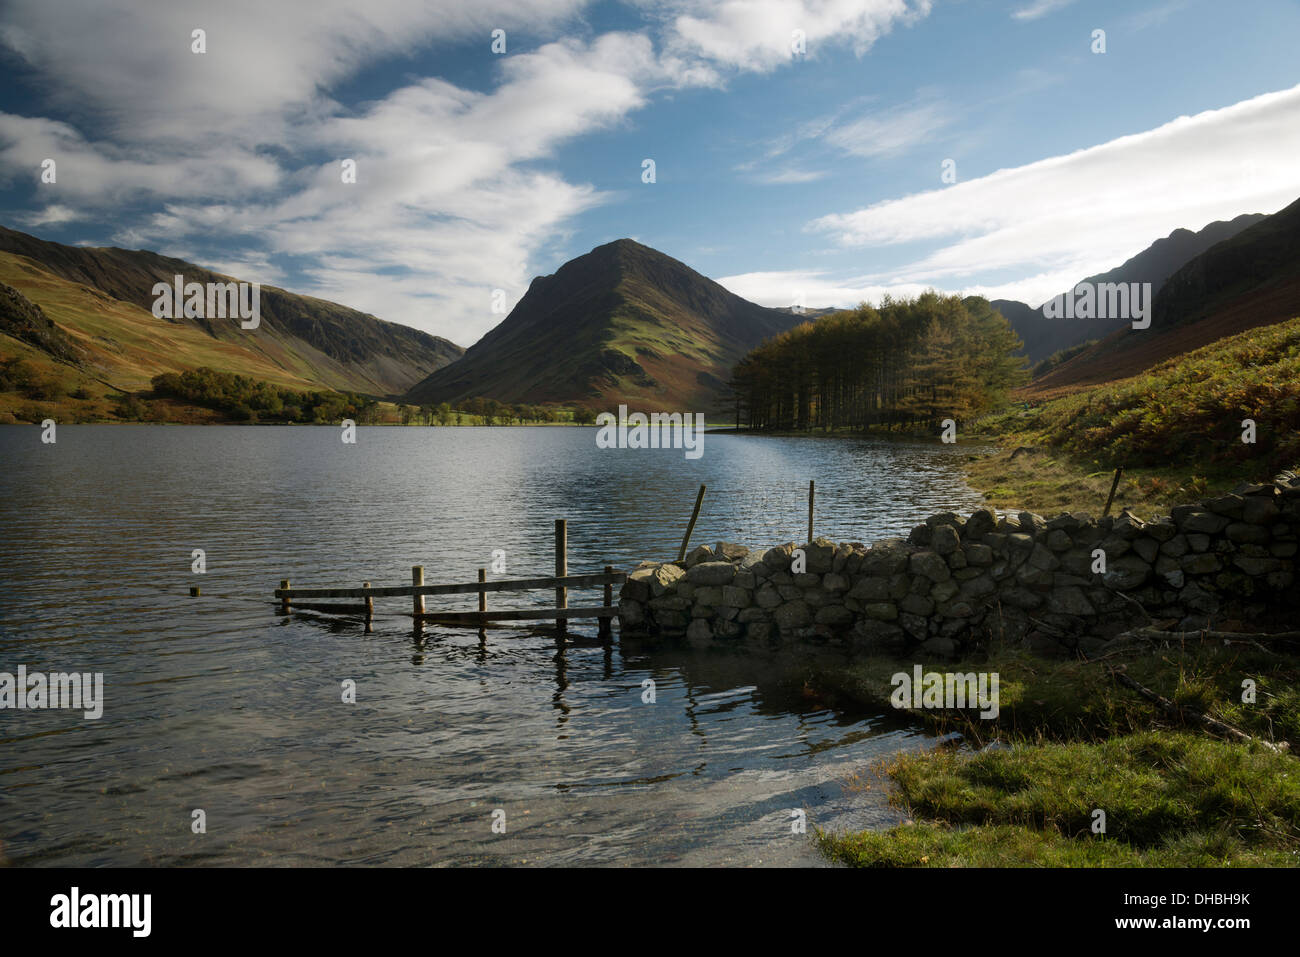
{"x":284,"y":599}
{"x":811,"y":490}
{"x":606,"y":624}
{"x":417,"y":601}
{"x":695,"y":513}
{"x":417,"y":579}
{"x":370,"y":605}
{"x":561,"y":567}
{"x":1111,"y":497}
{"x":482,"y":594}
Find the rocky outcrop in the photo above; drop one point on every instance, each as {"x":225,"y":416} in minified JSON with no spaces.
{"x":1055,"y":584}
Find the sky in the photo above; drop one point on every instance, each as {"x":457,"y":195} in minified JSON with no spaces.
{"x":805,"y":152}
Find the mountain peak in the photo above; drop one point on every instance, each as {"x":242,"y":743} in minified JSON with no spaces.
{"x":623,"y":322}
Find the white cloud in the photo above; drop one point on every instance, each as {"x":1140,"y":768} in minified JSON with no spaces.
{"x":1040,"y":8}
{"x":890,"y":131}
{"x":1092,"y":209}
{"x":758,"y":34}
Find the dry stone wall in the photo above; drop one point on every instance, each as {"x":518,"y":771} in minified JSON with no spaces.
{"x":1062,"y":584}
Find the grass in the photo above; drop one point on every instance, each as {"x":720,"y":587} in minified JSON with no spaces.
{"x":1076,"y":741}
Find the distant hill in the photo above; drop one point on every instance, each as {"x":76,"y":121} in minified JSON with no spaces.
{"x":1155,"y":264}
{"x":302,"y":341}
{"x":1249,"y":280}
{"x":623,"y":323}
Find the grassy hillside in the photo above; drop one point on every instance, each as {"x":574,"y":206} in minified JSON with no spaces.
{"x":1177,"y":429}
{"x":303,"y":339}
{"x":1245,"y":282}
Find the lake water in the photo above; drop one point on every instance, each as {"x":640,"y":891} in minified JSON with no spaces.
{"x":221,"y":704}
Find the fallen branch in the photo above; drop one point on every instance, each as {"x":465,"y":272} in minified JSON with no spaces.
{"x":1214,"y":724}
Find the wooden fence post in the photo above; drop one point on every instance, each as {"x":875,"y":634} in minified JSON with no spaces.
{"x":1111,"y":497}
{"x":561,"y":567}
{"x":482,"y":595}
{"x":811,"y":490}
{"x":284,"y":599}
{"x":370,"y":605}
{"x":417,"y":579}
{"x":695,"y":513}
{"x":606,"y":624}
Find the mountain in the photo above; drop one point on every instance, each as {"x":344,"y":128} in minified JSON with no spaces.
{"x":103,"y":297}
{"x":623,"y":323}
{"x":1249,"y":280}
{"x":1155,"y":264}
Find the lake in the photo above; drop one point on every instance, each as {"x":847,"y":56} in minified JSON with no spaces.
{"x":221,"y":704}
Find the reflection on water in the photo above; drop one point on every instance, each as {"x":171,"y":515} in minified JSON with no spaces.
{"x":220,"y":703}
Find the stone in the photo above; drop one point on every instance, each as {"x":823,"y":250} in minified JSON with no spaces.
{"x":981,"y":522}
{"x":767,"y":596}
{"x":807,"y":579}
{"x":1246,"y":534}
{"x":1126,"y":572}
{"x":699,"y":630}
{"x":736,"y":597}
{"x":728,"y":552}
{"x":977,"y":554}
{"x":1176,"y":547}
{"x":777,"y":558}
{"x":1200,"y":564}
{"x":944,"y":591}
{"x":1146,"y":548}
{"x":931,"y":565}
{"x":701,"y":553}
{"x":1260,"y":511}
{"x":711,"y":573}
{"x":794,"y":614}
{"x":917,"y":605}
{"x":888,"y":557}
{"x":821,"y":555}
{"x":1205,"y":523}
{"x":708,"y":595}
{"x":945,"y":540}
{"x":870,"y":589}
{"x":1069,"y":601}
{"x":940,"y":647}
{"x":835,"y":583}
{"x":728,"y":629}
{"x":836,"y":616}
{"x":881,"y":611}
{"x":1058,"y":541}
{"x":1230,"y":506}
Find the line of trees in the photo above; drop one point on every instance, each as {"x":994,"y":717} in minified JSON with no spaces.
{"x":244,"y":399}
{"x":907,"y":363}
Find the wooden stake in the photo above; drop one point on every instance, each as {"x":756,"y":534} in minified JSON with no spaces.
{"x":417,"y":580}
{"x":284,"y":599}
{"x":1111,"y":497}
{"x":194,"y":591}
{"x":561,"y":566}
{"x":606,"y":624}
{"x":695,"y":513}
{"x":811,"y":491}
{"x":370,"y":604}
{"x":482,"y":593}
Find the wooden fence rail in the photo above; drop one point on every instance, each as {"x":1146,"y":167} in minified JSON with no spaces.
{"x":561,"y":581}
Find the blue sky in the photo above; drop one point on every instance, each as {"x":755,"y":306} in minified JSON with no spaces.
{"x":810,"y":179}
